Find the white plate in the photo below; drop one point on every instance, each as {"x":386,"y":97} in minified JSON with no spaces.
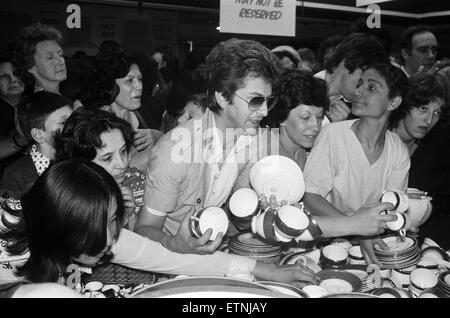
{"x":336,"y":286}
{"x":396,"y":245}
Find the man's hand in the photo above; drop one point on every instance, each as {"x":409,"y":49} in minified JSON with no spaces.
{"x":370,"y":220}
{"x":183,"y":242}
{"x":339,"y":111}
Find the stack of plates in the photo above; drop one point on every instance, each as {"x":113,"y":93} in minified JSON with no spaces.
{"x":444,"y":282}
{"x":401,"y":254}
{"x":248,"y":244}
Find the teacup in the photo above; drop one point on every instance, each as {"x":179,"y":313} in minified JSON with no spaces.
{"x":290,"y":222}
{"x":315,"y":291}
{"x":399,"y":199}
{"x":421,"y":279}
{"x":434,"y":253}
{"x":432,"y":293}
{"x":342,"y":242}
{"x":313,"y":232}
{"x":400,"y":223}
{"x":243,"y":205}
{"x":263,"y":225}
{"x":401,"y":276}
{"x":334,"y":255}
{"x":355,"y":256}
{"x":428,"y":242}
{"x":211,"y":217}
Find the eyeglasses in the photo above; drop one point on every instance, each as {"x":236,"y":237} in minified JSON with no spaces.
{"x":425,"y":49}
{"x":256,"y":102}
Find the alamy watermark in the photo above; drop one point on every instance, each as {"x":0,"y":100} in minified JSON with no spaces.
{"x":199,"y":145}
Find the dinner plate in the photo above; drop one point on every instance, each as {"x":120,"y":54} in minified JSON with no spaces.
{"x":285,"y":289}
{"x":200,"y":284}
{"x":395,"y":245}
{"x":339,"y":281}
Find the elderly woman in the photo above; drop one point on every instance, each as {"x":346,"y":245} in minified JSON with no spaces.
{"x":353,"y":161}
{"x":38,"y":48}
{"x":115,"y":85}
{"x":301,"y":103}
{"x":423,"y":106}
{"x":63,"y":222}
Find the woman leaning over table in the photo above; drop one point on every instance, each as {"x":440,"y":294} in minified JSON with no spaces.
{"x":74,"y":213}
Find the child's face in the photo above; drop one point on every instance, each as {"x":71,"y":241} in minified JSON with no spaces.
{"x":55,"y":122}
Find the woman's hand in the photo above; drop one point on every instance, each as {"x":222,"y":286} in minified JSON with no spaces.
{"x":183,"y":242}
{"x":296,"y":274}
{"x":128,"y":201}
{"x":367,"y":249}
{"x":142,"y":139}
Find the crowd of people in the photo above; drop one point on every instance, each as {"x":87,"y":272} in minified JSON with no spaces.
{"x":110,"y":155}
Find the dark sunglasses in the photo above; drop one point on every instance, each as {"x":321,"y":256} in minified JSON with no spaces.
{"x":256,"y":102}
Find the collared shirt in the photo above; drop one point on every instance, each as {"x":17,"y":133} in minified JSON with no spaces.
{"x":184,"y":173}
{"x":40,"y":161}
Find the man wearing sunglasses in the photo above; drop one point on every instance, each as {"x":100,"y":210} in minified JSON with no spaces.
{"x":419,"y":48}
{"x":198,"y":164}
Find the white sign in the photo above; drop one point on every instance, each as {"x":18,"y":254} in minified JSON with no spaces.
{"x":268,"y":17}
{"x":360,"y":3}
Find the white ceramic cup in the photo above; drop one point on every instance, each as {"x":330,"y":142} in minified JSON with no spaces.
{"x":421,"y":279}
{"x":334,"y":255}
{"x":355,"y":256}
{"x":290,"y":222}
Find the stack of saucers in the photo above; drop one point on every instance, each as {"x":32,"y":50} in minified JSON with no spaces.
{"x":248,"y":244}
{"x":403,"y":252}
{"x":444,"y":282}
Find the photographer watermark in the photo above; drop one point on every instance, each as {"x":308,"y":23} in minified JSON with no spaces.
{"x":73,"y":21}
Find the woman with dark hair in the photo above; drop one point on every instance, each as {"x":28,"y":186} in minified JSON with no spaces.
{"x":301,"y":103}
{"x":421,"y":122}
{"x":13,"y":89}
{"x":74,"y":213}
{"x":423,"y":106}
{"x":186,"y":100}
{"x":115,"y":85}
{"x":105,"y":139}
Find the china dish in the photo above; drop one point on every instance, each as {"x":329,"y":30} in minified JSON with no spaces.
{"x":285,"y":289}
{"x":338,"y":281}
{"x":280,"y":176}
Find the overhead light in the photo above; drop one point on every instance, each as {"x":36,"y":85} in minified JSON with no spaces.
{"x":218,"y":28}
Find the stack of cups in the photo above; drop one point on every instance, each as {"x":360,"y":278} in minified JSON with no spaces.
{"x":400,"y":200}
{"x":284,"y":225}
{"x":243,"y":205}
